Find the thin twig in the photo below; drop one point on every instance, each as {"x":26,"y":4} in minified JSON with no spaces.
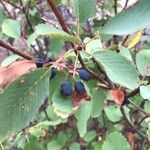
{"x":115,"y":6}
{"x":46,"y":114}
{"x":14,"y":50}
{"x":145,"y":117}
{"x":76,"y":50}
{"x":5,"y":8}
{"x":124,"y":116}
{"x":142,"y":145}
{"x":93,"y":74}
{"x":126,"y":4}
{"x":59,"y":16}
{"x":127,"y":120}
{"x":46,"y":39}
{"x":140,"y":109}
{"x":125,"y":40}
{"x":30,"y":26}
{"x":75,"y":65}
{"x":26,"y":15}
{"x":12,"y":4}
{"x":133,"y":93}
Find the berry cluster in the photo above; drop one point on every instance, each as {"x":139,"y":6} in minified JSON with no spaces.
{"x":67,"y":88}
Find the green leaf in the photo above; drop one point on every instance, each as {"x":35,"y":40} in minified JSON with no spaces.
{"x":98,"y":98}
{"x":84,"y":9}
{"x":11,"y":28}
{"x":97,"y":146}
{"x":62,"y":103}
{"x":54,"y":145}
{"x":49,"y":123}
{"x":82,"y":115}
{"x":51,"y":114}
{"x":56,"y":45}
{"x":32,"y":39}
{"x":9,"y":60}
{"x":89,"y":136}
{"x":130,"y":20}
{"x":137,"y":99}
{"x":62,"y":138}
{"x":74,"y":146}
{"x":126,"y":53}
{"x":33,"y":144}
{"x":56,"y":82}
{"x":143,"y":62}
{"x":118,"y":68}
{"x":20,"y":141}
{"x":20,"y":102}
{"x":92,"y":45}
{"x":113,"y":113}
{"x":36,"y":131}
{"x":58,"y":141}
{"x":115,"y":141}
{"x":51,"y":31}
{"x":57,"y":2}
{"x":2,"y":16}
{"x":145,"y":91}
{"x":147,"y":106}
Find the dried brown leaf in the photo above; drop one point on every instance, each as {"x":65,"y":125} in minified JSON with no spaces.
{"x":15,"y":70}
{"x":77,"y":98}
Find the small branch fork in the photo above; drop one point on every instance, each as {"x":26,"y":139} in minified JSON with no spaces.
{"x":76,"y":47}
{"x":134,"y":127}
{"x":66,"y":29}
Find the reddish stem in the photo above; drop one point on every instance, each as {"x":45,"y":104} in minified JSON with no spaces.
{"x":14,"y":50}
{"x":59,"y":16}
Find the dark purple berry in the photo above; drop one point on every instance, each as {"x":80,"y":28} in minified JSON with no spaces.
{"x":53,"y":72}
{"x":84,"y":75}
{"x":66,"y":88}
{"x":79,"y":87}
{"x":39,"y":62}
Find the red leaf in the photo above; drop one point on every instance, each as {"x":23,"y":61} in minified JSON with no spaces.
{"x":77,"y":98}
{"x":131,"y":139}
{"x":117,"y":95}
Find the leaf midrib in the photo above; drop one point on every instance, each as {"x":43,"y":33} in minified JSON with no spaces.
{"x":18,"y":101}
